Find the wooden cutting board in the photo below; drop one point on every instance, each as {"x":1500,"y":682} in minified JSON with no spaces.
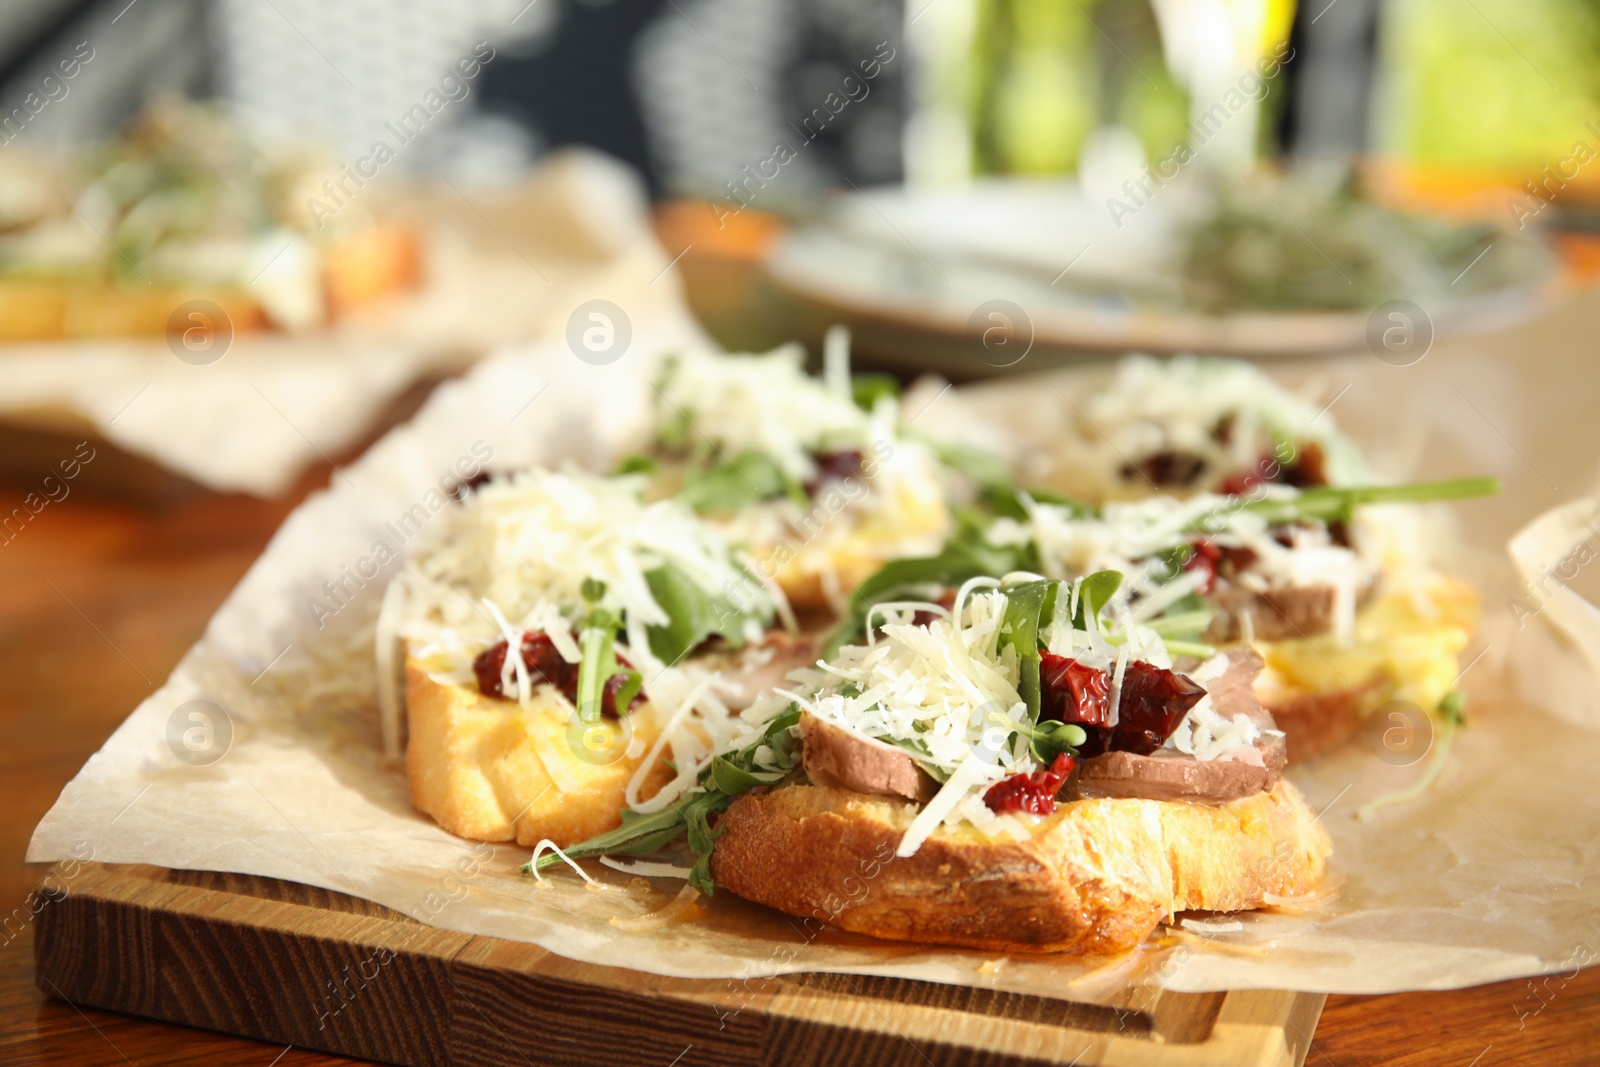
{"x":298,"y":965}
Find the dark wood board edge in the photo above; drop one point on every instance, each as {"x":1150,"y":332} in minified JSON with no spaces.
{"x":286,"y":963}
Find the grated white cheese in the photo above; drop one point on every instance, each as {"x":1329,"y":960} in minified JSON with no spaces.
{"x":968,"y":776}
{"x":1206,"y":735}
{"x":767,"y":403}
{"x":1114,"y":704}
{"x":1128,"y":536}
{"x":514,"y":557}
{"x":647,"y":869}
{"x":1175,"y":405}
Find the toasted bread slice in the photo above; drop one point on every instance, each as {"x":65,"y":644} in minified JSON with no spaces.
{"x":489,"y":770}
{"x":361,"y":267}
{"x":1096,"y":877}
{"x":55,"y":310}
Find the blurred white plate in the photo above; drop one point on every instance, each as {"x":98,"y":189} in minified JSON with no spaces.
{"x":907,"y":270}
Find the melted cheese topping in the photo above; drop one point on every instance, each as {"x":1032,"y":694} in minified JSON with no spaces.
{"x":1410,"y":638}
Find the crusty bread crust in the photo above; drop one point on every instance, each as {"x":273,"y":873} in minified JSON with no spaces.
{"x":475,"y":767}
{"x":1095,"y":878}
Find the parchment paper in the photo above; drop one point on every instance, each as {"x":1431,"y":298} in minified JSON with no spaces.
{"x":1487,"y":876}
{"x":499,"y":268}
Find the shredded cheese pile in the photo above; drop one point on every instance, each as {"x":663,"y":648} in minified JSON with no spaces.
{"x":766,"y":403}
{"x":527,"y":544}
{"x":946,"y":692}
{"x":1176,"y":405}
{"x":1204,"y":733}
{"x":514,"y":557}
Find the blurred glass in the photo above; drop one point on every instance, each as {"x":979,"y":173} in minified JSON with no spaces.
{"x":1491,"y":92}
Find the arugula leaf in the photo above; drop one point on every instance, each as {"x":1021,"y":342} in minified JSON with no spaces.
{"x":985,"y":468}
{"x":1182,"y":623}
{"x":693,"y":614}
{"x":730,"y":778}
{"x":865,"y":389}
{"x":638,"y":463}
{"x":1094,"y":593}
{"x":702,"y":838}
{"x":1005,"y":502}
{"x":1326,"y":503}
{"x":1019,"y":628}
{"x":728,"y":485}
{"x":690,"y":815}
{"x":597,"y":662}
{"x":965,"y":555}
{"x":645,"y":835}
{"x":1052,"y":738}
{"x":999,"y":494}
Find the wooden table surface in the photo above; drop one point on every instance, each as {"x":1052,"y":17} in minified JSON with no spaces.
{"x":99,"y":599}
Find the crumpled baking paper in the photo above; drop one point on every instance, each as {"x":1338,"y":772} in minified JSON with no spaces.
{"x":1488,"y":875}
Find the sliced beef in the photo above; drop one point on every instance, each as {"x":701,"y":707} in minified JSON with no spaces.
{"x":1277,"y":614}
{"x":1169,"y":775}
{"x":834,"y":756}
{"x":1166,"y":774}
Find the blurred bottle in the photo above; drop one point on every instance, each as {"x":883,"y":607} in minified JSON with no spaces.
{"x":1028,"y":86}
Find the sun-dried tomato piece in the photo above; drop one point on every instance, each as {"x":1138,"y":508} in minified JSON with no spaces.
{"x":1153,"y":703}
{"x":1072,"y":692}
{"x":1216,"y":561}
{"x":1033,"y":792}
{"x":486,"y":668}
{"x":546,"y":667}
{"x":834,"y":467}
{"x":539,"y":656}
{"x":1204,"y":558}
{"x":1306,"y":468}
{"x":1166,"y":468}
{"x":1310,"y":467}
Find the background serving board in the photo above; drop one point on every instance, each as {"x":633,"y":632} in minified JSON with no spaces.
{"x":291,"y":963}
